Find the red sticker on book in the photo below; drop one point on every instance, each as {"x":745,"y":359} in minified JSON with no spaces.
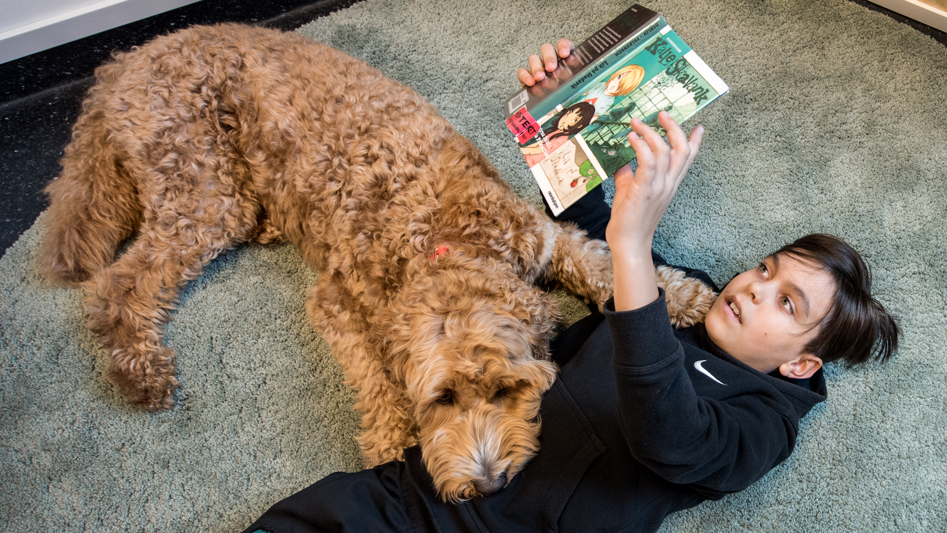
{"x":522,"y":125}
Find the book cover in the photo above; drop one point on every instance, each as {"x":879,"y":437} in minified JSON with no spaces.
{"x":581,"y":138}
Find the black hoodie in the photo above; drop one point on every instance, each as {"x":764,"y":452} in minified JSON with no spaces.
{"x":644,"y":421}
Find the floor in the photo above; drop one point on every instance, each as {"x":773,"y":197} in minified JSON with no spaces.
{"x":40,"y":94}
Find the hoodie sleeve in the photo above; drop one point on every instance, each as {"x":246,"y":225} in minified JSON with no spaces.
{"x":716,"y":445}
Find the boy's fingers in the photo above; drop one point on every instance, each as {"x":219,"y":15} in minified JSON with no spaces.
{"x":550,"y":61}
{"x":693,"y":146}
{"x":675,"y":134}
{"x":680,"y":148}
{"x":658,"y":148}
{"x":536,"y":68}
{"x":565,"y":48}
{"x":646,"y":160}
{"x":648,"y":134}
{"x":696,"y":137}
{"x":546,"y":61}
{"x":623,"y":178}
{"x":623,"y":173}
{"x":694,"y":142}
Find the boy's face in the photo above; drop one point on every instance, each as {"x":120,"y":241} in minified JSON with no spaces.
{"x":764,"y":317}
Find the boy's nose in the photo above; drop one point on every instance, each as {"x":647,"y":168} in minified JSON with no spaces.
{"x":758,"y":291}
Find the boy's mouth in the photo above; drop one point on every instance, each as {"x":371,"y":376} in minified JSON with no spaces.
{"x":735,"y":309}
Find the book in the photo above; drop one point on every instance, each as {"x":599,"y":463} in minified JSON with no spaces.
{"x":572,"y":127}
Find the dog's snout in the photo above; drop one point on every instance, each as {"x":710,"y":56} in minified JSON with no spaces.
{"x":491,"y":484}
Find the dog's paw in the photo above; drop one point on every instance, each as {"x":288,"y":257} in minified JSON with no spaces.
{"x":267,"y":233}
{"x":146,"y":382}
{"x":688,"y":299}
{"x":583,"y":266}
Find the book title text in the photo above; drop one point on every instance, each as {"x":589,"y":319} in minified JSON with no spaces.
{"x":664,"y":50}
{"x":680,"y":71}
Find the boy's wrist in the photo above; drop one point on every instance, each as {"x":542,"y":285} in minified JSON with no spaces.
{"x":630,"y":251}
{"x":628,"y":260}
{"x":635,"y":284}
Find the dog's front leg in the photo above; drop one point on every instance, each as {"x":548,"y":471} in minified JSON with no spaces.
{"x":583,"y":266}
{"x":387,"y":426}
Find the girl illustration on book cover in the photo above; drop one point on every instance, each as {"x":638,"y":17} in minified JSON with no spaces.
{"x":567,"y":123}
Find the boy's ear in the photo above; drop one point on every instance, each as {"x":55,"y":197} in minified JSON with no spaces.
{"x":802,"y":367}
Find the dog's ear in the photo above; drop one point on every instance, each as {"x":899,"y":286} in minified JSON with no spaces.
{"x":409,"y":325}
{"x":540,"y":374}
{"x":540,"y":313}
{"x":393,"y":333}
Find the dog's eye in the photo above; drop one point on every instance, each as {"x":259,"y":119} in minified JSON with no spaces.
{"x":501,"y":394}
{"x":446,"y":398}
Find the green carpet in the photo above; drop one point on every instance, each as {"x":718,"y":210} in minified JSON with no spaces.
{"x":835,"y":123}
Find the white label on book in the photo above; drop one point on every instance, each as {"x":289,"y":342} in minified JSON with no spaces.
{"x":517,"y":101}
{"x":546,"y":188}
{"x":712,"y":78}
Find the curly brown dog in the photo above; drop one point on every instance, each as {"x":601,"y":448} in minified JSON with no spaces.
{"x":215,"y":136}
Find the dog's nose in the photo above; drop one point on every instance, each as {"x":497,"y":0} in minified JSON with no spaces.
{"x":491,"y":484}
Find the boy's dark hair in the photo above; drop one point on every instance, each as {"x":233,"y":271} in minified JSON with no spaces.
{"x":857,"y":326}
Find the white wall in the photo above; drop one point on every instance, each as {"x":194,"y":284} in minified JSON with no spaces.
{"x":29,"y":26}
{"x":930,"y":12}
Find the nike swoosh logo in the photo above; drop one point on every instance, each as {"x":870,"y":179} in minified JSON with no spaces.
{"x":699,"y":365}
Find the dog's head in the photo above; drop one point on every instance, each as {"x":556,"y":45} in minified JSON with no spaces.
{"x":468,"y":342}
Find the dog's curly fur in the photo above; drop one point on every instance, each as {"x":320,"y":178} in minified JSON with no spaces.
{"x":214,"y":136}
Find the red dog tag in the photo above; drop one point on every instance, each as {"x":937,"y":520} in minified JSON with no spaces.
{"x":441,"y":250}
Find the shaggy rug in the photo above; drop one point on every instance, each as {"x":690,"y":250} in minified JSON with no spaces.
{"x":835,"y":123}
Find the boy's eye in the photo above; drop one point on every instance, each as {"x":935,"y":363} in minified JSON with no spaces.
{"x":763,"y":269}
{"x":786,"y":303}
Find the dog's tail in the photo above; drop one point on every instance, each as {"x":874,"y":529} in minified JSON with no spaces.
{"x":93,"y":204}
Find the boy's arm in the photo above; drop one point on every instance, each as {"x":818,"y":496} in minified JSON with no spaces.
{"x":714,"y":445}
{"x":641,"y":198}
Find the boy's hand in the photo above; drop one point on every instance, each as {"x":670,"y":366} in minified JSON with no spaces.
{"x":546,"y":62}
{"x":641,"y":198}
